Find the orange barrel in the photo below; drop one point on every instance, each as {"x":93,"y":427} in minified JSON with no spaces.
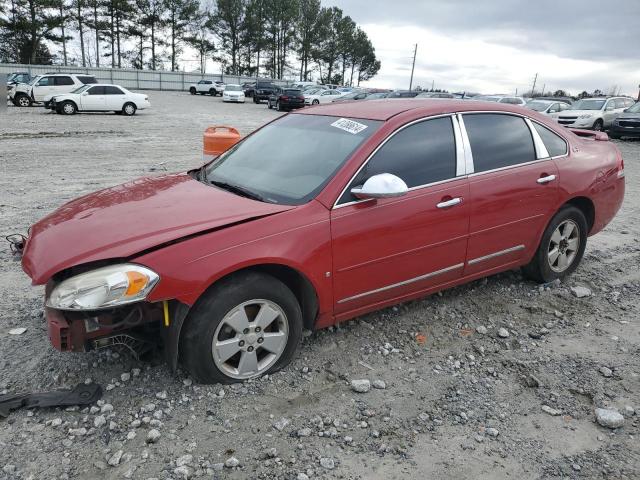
{"x":219,"y":139}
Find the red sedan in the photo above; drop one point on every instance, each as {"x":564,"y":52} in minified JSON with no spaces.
{"x":322,"y":215}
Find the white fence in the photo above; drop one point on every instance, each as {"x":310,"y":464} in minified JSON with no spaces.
{"x":133,"y":79}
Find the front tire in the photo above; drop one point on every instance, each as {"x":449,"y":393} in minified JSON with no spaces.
{"x":561,"y":248}
{"x":68,"y":108}
{"x":192,"y":91}
{"x":246,"y":326}
{"x":598,"y":125}
{"x":23,"y":100}
{"x":129,"y":109}
{"x":316,"y":102}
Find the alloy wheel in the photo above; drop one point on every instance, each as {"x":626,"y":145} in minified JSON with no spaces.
{"x":129,"y":109}
{"x":250,"y":339}
{"x":23,"y":101}
{"x":68,"y":108}
{"x":563,"y":246}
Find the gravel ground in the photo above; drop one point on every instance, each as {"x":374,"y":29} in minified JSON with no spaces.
{"x":500,"y":378}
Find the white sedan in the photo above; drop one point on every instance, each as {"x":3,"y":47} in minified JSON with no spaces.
{"x":325,"y":96}
{"x":98,"y":98}
{"x":233,"y":93}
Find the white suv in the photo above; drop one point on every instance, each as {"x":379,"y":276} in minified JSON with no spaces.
{"x":593,"y":113}
{"x":43,"y":87}
{"x":207,"y":86}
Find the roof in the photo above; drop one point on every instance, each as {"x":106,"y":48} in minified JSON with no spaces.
{"x":384,"y":109}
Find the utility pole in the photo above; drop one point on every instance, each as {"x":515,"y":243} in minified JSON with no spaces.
{"x":413,"y":66}
{"x":543,"y":87}
{"x":433,"y":84}
{"x":533,"y":89}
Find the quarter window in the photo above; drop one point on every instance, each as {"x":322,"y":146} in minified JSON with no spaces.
{"x":556,"y":146}
{"x":420,"y":154}
{"x":498,"y":140}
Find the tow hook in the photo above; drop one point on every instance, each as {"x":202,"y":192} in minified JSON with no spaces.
{"x":16,"y":243}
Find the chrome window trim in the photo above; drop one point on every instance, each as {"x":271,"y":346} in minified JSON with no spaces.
{"x":566,"y":143}
{"x":389,"y":137}
{"x":403,"y":283}
{"x":495,"y":254}
{"x":468,"y":154}
{"x":461,"y":169}
{"x":541,"y":148}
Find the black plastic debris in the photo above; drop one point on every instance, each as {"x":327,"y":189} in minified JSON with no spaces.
{"x":16,"y":243}
{"x":80,"y":395}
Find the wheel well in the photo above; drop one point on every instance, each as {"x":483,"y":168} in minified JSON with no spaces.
{"x":585,"y":205}
{"x":299,"y":284}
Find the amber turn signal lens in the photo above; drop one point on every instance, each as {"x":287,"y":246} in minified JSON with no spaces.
{"x":137,"y":281}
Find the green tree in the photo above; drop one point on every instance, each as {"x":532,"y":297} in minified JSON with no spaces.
{"x":200,"y":36}
{"x":309,"y":30}
{"x":179,"y":16}
{"x":228,"y":23}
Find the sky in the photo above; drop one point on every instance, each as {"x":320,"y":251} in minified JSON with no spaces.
{"x":498,"y":46}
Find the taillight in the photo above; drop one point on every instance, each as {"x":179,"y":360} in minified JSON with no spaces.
{"x":284,"y":97}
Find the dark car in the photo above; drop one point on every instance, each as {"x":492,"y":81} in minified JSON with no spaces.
{"x":286,"y":99}
{"x":262,"y":91}
{"x":249,"y":89}
{"x":627,"y":124}
{"x":403,"y":94}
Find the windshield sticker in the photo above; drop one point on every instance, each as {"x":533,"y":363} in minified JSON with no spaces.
{"x":349,"y":125}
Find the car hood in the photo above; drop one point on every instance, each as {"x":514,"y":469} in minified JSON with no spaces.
{"x":628,"y":115}
{"x":122,"y":221}
{"x":576,"y":113}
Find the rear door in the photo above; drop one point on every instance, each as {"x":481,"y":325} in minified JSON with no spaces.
{"x":512,"y":192}
{"x":63,"y":84}
{"x":114,"y":98}
{"x":389,"y":248}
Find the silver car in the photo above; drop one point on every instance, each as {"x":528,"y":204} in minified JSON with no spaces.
{"x":593,"y":113}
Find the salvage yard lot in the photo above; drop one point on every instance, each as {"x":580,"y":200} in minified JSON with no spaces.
{"x":459,"y":401}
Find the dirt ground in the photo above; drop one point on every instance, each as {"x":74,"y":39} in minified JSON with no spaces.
{"x":459,"y":401}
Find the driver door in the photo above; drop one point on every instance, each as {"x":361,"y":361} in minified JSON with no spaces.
{"x":391,"y":248}
{"x":43,"y":88}
{"x":94,"y":99}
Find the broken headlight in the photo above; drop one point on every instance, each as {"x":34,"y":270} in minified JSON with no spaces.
{"x":104,"y":288}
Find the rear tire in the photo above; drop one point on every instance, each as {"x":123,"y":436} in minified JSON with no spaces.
{"x":614,"y":136}
{"x":561,"y":248}
{"x":227,"y":316}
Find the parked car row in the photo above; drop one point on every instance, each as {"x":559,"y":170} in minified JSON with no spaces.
{"x":69,"y":93}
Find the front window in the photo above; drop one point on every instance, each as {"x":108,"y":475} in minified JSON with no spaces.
{"x":35,"y":80}
{"x":588,"y":104}
{"x":290,"y":160}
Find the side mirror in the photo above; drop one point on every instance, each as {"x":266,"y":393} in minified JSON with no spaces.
{"x":626,"y":110}
{"x":84,"y":94}
{"x":609,"y":108}
{"x":384,"y":185}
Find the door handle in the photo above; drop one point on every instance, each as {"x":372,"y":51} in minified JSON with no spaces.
{"x":449,"y":203}
{"x":547,"y":179}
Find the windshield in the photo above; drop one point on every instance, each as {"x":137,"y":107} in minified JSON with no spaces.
{"x":373,"y":96}
{"x":487,"y":98}
{"x":34,"y":80}
{"x":313,"y":91}
{"x":290,"y":160}
{"x":588,"y":104}
{"x":294,"y":92}
{"x":233,"y":88}
{"x":81,"y":89}
{"x":11,"y":77}
{"x":538,"y":106}
{"x":635,"y":108}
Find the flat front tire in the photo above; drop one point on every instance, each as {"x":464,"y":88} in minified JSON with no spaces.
{"x":561,"y":248}
{"x":246,"y":326}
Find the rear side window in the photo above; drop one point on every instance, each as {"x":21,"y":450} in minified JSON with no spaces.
{"x":112,"y":91}
{"x":62,"y":81}
{"x":498,"y":141}
{"x":86,"y":79}
{"x":420,"y":154}
{"x":556,"y":146}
